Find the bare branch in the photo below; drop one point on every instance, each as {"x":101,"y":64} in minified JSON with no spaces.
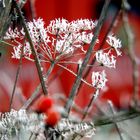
{"x":131,"y":53}
{"x":87,"y":57}
{"x":37,"y":61}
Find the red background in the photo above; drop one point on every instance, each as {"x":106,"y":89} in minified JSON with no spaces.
{"x":120,"y":82}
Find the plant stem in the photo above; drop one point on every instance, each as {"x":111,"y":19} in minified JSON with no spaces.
{"x":131,"y":53}
{"x":5,"y":17}
{"x":3,"y":43}
{"x":116,"y":125}
{"x":103,"y":41}
{"x":84,"y":81}
{"x":87,"y":57}
{"x":75,"y":107}
{"x":17,"y":75}
{"x":117,"y":118}
{"x":35,"y":93}
{"x":89,"y":105}
{"x":37,"y":62}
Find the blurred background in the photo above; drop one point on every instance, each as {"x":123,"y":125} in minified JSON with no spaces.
{"x":120,"y":84}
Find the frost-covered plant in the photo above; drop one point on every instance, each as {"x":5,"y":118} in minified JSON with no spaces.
{"x":59,"y":39}
{"x":61,"y":43}
{"x":58,"y":43}
{"x":14,"y":123}
{"x":69,"y":128}
{"x":24,"y":125}
{"x":62,"y":39}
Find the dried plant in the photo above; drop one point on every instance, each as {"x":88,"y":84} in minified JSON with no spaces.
{"x":61,"y":43}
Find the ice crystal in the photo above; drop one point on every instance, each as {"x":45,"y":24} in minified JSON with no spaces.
{"x":83,"y":24}
{"x":114,"y":43}
{"x":59,"y":37}
{"x":99,"y":79}
{"x":14,"y":33}
{"x":17,"y":52}
{"x":13,"y":122}
{"x":106,"y":59}
{"x":58,"y":26}
{"x":37,"y":31}
{"x":18,"y":49}
{"x":70,"y":129}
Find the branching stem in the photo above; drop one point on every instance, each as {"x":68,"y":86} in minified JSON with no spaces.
{"x":35,"y":93}
{"x":37,"y":61}
{"x":87,"y":57}
{"x":16,"y":79}
{"x":131,"y":53}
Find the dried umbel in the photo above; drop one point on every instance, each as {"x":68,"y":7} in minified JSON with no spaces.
{"x":59,"y":38}
{"x":99,"y":79}
{"x":58,"y":43}
{"x":62,"y":39}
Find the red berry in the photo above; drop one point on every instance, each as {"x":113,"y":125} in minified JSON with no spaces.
{"x":52,"y":118}
{"x":44,"y":104}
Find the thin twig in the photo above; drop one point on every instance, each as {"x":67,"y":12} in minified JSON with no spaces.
{"x":84,"y":81}
{"x":3,"y":43}
{"x":37,"y":62}
{"x":103,"y":41}
{"x":119,"y":117}
{"x":35,"y":93}
{"x":31,"y":136}
{"x":87,"y":57}
{"x":104,"y":113}
{"x":74,"y":107}
{"x":89,"y":105}
{"x":116,"y":125}
{"x":131,"y":53}
{"x":16,"y":79}
{"x":5,"y":17}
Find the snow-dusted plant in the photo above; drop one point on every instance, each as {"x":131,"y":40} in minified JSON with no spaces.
{"x":16,"y":124}
{"x":61,"y":42}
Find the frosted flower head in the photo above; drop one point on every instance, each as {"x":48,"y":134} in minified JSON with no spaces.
{"x":68,"y":43}
{"x":68,"y":128}
{"x":85,"y":37}
{"x":83,"y":24}
{"x":60,"y":37}
{"x":17,"y":50}
{"x":16,"y":121}
{"x":58,"y":25}
{"x":63,"y":26}
{"x":37,"y":31}
{"x":99,"y":79}
{"x":12,"y":34}
{"x":64,"y":47}
{"x":106,"y":59}
{"x":115,"y":43}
